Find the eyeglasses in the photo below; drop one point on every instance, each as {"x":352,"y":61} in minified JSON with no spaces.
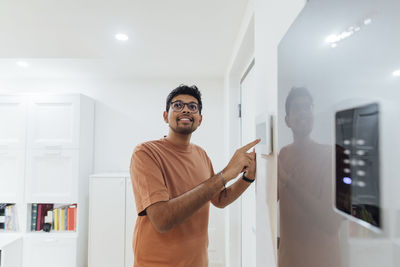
{"x":179,"y":105}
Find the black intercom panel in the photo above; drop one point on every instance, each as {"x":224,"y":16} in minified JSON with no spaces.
{"x":357,"y":163}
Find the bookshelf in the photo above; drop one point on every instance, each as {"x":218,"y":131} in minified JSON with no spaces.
{"x":46,"y":153}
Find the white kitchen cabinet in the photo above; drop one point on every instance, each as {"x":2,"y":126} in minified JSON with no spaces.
{"x":13,"y":122}
{"x":12,"y":169}
{"x":112,"y":217}
{"x":130,"y":220}
{"x":10,"y":250}
{"x":49,"y":250}
{"x":49,"y":164}
{"x":52,"y":176}
{"x":54,"y":122}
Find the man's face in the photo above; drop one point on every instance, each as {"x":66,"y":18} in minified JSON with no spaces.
{"x":300,"y":118}
{"x":184,"y":121}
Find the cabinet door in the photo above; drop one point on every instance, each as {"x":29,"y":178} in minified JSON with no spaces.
{"x":53,"y":122}
{"x":49,"y":251}
{"x":11,"y":254}
{"x":131,"y":216}
{"x":52,"y":176}
{"x":12,"y":122}
{"x":106,"y":222}
{"x":12,"y":163}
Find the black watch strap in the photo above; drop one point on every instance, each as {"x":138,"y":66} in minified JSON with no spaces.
{"x":247,"y":179}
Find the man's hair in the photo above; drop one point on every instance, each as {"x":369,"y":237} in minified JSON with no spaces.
{"x":185,"y":90}
{"x":293,"y":94}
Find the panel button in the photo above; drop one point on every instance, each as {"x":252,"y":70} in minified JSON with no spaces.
{"x":361,"y":173}
{"x":360,"y":152}
{"x":360,"y":142}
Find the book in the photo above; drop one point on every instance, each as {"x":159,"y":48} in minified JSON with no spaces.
{"x":34,"y":217}
{"x":75,"y":211}
{"x":42,"y":210}
{"x":62,"y":221}
{"x":10,"y":214}
{"x":72,"y":218}
{"x":56,"y":219}
{"x":39,"y":216}
{"x":2,"y":217}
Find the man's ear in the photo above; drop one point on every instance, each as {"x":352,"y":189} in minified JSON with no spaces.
{"x":165,"y":115}
{"x":201,"y":119}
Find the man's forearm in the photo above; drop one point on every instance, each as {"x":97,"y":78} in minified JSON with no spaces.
{"x":165,"y":215}
{"x":231,"y":193}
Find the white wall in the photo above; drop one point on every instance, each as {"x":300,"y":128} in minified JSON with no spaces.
{"x":242,"y":55}
{"x":128,"y":112}
{"x":272,"y":19}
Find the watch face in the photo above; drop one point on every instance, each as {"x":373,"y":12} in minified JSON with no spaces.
{"x":357,"y":163}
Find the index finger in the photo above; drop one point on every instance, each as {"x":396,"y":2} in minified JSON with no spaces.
{"x":250,"y":145}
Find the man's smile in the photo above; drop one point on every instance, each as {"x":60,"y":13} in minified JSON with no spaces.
{"x":185,"y":119}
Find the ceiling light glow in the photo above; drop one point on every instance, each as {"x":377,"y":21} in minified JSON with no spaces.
{"x":23,"y":64}
{"x":367,"y":21}
{"x":121,"y":37}
{"x":396,"y":73}
{"x":335,"y":38}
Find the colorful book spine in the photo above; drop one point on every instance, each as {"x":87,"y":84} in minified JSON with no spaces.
{"x":56,"y":219}
{"x":34,"y":216}
{"x":2,"y":217}
{"x":11,"y":218}
{"x":75,"y":211}
{"x":62,"y":222}
{"x":72,"y":218}
{"x":39,"y":216}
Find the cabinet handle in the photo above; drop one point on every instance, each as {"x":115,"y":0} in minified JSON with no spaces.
{"x":51,"y":240}
{"x":58,"y":147}
{"x":50,"y":152}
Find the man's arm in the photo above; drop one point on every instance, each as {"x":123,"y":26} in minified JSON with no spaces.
{"x":231,"y":193}
{"x":165,"y":215}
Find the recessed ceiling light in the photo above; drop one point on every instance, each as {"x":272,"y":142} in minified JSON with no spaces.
{"x":333,"y":38}
{"x":23,"y":64}
{"x":121,"y":37}
{"x":367,"y":21}
{"x":396,"y":73}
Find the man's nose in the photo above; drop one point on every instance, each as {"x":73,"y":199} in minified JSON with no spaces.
{"x":185,"y":109}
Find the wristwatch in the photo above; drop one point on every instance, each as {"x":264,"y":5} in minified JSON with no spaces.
{"x":247,"y":179}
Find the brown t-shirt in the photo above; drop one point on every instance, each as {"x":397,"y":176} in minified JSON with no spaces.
{"x":308,"y":225}
{"x":161,"y":171}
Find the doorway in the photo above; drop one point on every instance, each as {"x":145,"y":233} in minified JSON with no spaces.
{"x":248,"y":198}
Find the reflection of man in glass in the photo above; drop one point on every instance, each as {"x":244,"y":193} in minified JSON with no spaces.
{"x":308,"y":224}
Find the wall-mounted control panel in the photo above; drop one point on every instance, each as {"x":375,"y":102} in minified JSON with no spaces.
{"x":357,"y":163}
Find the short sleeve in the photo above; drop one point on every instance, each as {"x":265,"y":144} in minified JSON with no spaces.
{"x":147,"y":181}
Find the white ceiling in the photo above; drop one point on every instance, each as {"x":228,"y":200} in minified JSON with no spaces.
{"x":167,"y":37}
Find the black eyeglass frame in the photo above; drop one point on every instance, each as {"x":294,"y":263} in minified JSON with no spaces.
{"x":184,"y":104}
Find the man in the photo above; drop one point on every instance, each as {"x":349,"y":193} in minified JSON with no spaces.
{"x":308,"y":225}
{"x":174,"y":182}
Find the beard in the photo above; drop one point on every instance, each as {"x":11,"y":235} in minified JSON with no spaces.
{"x":183,"y":130}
